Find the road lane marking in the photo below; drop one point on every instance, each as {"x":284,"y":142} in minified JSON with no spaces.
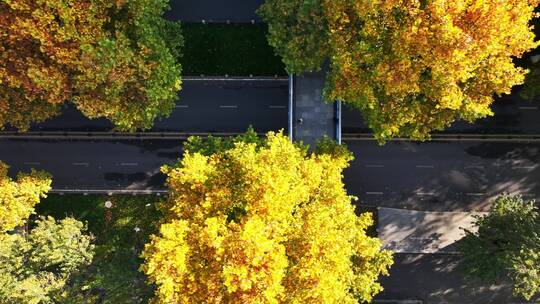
{"x":81,"y":164}
{"x":181,"y":106}
{"x":32,"y":163}
{"x":475,"y":194}
{"x":474,"y":167}
{"x":374,"y":166}
{"x":425,"y":193}
{"x":277,"y":107}
{"x":228,"y":107}
{"x":374,"y":193}
{"x":129,"y":164}
{"x":523,"y":167}
{"x":528,"y":108}
{"x":425,"y":166}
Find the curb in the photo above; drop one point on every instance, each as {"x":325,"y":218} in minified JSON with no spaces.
{"x":108,"y":192}
{"x":236,"y":78}
{"x":114,"y":135}
{"x":452,"y":137}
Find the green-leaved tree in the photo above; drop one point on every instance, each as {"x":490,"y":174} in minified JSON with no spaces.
{"x":506,"y":246}
{"x":112,"y":59}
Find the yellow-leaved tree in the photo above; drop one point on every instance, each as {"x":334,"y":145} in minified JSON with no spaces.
{"x":18,"y":197}
{"x":262,"y":221}
{"x":410,"y":66}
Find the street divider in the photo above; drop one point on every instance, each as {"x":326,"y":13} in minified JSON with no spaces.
{"x":453,"y":137}
{"x":112,"y":135}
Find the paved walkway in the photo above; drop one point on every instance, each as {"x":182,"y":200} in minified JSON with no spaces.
{"x":408,"y":231}
{"x":214,"y":10}
{"x":313,"y":117}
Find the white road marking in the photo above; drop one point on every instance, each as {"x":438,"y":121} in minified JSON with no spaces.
{"x":129,"y":164}
{"x":474,"y":167}
{"x":374,"y":193}
{"x":374,"y":166}
{"x":32,"y":163}
{"x":181,"y":106}
{"x":80,"y":164}
{"x":528,"y":108}
{"x":228,"y":107}
{"x":475,"y":194}
{"x":277,"y":107}
{"x":523,"y":167}
{"x":425,"y":166}
{"x":425,"y":193}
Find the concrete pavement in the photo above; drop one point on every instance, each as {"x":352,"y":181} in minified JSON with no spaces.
{"x":313,"y":117}
{"x":411,"y":231}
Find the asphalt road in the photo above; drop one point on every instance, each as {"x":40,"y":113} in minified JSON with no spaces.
{"x":435,"y":278}
{"x":438,"y":176}
{"x":513,"y":115}
{"x":203,"y":106}
{"x":442,"y":176}
{"x":214,"y":10}
{"x":94,"y":165}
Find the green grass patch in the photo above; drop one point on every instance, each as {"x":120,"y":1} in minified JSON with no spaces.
{"x":233,"y":49}
{"x":113,"y":276}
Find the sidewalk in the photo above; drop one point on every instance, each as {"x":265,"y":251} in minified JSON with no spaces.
{"x":313,"y":117}
{"x":409,"y":231}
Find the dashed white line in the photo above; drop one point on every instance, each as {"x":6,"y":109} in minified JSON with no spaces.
{"x":425,"y":166}
{"x":277,"y":107}
{"x":425,"y":193}
{"x":528,"y":108}
{"x":374,"y":166}
{"x":474,"y":167}
{"x":181,"y":106}
{"x":32,"y":163}
{"x":374,"y":193}
{"x":228,"y":107}
{"x":80,"y":164}
{"x":475,"y":194}
{"x":523,"y":167}
{"x":129,"y":164}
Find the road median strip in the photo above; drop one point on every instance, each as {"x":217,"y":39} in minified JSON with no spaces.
{"x":113,"y":135}
{"x":453,"y":137}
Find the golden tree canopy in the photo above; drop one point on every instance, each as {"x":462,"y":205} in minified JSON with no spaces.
{"x":263,"y":223}
{"x":410,"y":66}
{"x":18,"y":197}
{"x":112,"y":59}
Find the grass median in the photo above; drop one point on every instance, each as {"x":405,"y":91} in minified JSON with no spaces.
{"x":120,"y":234}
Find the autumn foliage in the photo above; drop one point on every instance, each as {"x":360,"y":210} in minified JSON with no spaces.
{"x":410,"y":66}
{"x":112,"y":59}
{"x":262,"y":222}
{"x":18,"y":197}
